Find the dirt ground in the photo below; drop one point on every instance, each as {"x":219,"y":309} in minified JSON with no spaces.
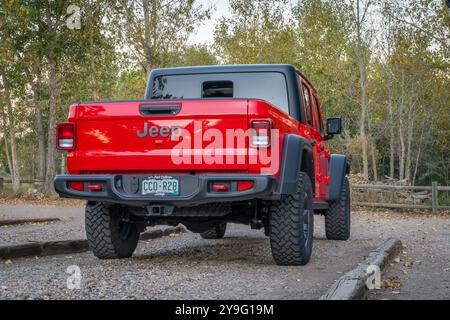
{"x":422,"y":269}
{"x":237,"y":267}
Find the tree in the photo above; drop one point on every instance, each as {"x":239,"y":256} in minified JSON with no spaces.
{"x":415,"y":64}
{"x":359,"y":20}
{"x":324,"y":57}
{"x":53,"y":61}
{"x":152,"y":29}
{"x":380,"y":64}
{"x":9,"y":83}
{"x":256,"y":32}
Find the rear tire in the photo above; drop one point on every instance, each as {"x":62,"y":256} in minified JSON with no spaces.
{"x":338,"y":216}
{"x":110,"y":237}
{"x":216,"y":232}
{"x":292,"y":225}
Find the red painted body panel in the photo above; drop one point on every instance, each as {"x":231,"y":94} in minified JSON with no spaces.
{"x":107,"y":139}
{"x":108,"y":142}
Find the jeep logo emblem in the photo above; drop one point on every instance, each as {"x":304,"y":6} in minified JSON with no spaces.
{"x":164,"y":131}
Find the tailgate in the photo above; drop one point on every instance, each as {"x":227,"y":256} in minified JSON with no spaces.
{"x":161,"y":135}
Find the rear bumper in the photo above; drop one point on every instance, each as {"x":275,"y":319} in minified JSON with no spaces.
{"x":194,"y":190}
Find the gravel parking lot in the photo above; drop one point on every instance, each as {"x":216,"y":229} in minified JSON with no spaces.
{"x":237,"y":267}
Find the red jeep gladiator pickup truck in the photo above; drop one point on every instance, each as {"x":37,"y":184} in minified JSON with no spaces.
{"x":206,"y":147}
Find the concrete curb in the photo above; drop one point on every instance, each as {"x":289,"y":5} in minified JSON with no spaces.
{"x":27,"y":221}
{"x":352,"y":285}
{"x":49,"y":248}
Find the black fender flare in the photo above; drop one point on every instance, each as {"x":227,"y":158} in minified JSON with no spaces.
{"x":338,"y":167}
{"x":292,"y":162}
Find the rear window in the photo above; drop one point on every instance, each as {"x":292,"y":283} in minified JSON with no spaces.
{"x":268,"y":86}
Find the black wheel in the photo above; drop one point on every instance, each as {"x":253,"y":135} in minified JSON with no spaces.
{"x":110,"y":237}
{"x":216,"y":232}
{"x":292,"y":225}
{"x":338,"y":216}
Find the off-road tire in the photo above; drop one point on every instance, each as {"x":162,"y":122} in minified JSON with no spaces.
{"x":338,"y":216}
{"x":216,"y":232}
{"x":109,"y":237}
{"x":290,"y":245}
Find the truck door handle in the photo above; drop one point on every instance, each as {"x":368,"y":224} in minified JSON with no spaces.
{"x":154,"y":110}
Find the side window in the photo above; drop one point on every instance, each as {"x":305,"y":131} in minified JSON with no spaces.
{"x":307,"y":99}
{"x":319,"y":116}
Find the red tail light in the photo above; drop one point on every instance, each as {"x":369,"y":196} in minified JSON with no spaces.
{"x":244,"y":185}
{"x":76,"y":185}
{"x":65,"y":136}
{"x":261,"y":133}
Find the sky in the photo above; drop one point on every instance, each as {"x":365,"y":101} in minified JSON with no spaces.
{"x":205,"y":33}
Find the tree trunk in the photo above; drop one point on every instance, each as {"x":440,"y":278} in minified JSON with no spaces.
{"x":363,"y":87}
{"x":62,"y":164}
{"x":390,"y":84}
{"x":409,"y":142}
{"x":362,"y":124}
{"x":6,"y":137}
{"x":54,"y":86}
{"x":39,"y":132}
{"x":391,"y":128}
{"x":401,"y":170}
{"x":147,"y":46}
{"x":8,"y":157}
{"x":15,"y":164}
{"x":150,"y":11}
{"x":374,"y":161}
{"x":419,"y":150}
{"x":14,"y":169}
{"x":400,"y":132}
{"x":373,"y":151}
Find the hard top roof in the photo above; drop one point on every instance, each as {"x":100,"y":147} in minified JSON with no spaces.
{"x":283,"y":68}
{"x":225,"y":68}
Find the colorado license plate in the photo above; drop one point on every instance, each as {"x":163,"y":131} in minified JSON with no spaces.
{"x":161,"y":186}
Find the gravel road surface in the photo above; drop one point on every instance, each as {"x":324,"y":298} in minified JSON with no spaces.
{"x":237,"y":267}
{"x":71,"y":225}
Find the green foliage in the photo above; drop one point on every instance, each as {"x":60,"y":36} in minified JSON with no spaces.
{"x":404,"y":46}
{"x":256,"y":32}
{"x":151,"y":31}
{"x":323,"y":39}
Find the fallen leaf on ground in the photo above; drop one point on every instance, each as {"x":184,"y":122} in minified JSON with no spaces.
{"x":391,"y":283}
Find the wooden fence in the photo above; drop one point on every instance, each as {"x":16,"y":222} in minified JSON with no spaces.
{"x":420,"y":194}
{"x":4,"y":181}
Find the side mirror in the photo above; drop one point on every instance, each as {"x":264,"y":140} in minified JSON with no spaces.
{"x":334,"y":126}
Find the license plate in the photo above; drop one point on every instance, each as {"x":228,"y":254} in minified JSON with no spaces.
{"x":161,"y":186}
